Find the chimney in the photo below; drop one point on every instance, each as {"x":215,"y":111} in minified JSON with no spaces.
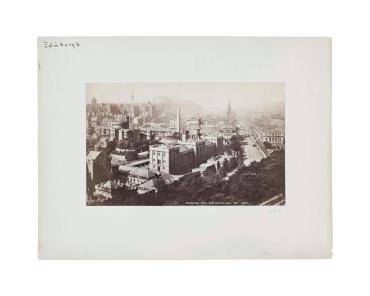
{"x":178,"y":119}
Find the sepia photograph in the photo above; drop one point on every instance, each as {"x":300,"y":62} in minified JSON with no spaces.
{"x":184,"y":147}
{"x":195,"y":149}
{"x":185,"y":144}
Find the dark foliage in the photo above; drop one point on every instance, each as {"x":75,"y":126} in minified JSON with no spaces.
{"x":267,"y":145}
{"x":234,"y":143}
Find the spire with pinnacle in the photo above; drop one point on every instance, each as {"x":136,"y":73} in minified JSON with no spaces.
{"x":229,"y":112}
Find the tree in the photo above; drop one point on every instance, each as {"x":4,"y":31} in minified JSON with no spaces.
{"x":210,"y":176}
{"x":267,"y":145}
{"x":226,"y":166}
{"x":123,"y":144}
{"x":159,"y":184}
{"x":234,"y":143}
{"x":251,"y":185}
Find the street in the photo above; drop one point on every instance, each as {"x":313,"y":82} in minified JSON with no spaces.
{"x":251,"y":153}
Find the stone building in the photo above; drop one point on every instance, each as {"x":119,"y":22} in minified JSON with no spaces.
{"x":179,"y":157}
{"x":171,"y":158}
{"x":122,"y":156}
{"x":138,"y":172}
{"x":273,"y":136}
{"x":227,"y":131}
{"x":203,"y":149}
{"x":98,"y":165}
{"x":218,"y":141}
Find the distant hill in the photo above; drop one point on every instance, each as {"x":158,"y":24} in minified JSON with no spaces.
{"x":115,"y":109}
{"x":166,"y":107}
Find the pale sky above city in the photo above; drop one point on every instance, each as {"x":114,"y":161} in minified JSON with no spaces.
{"x":212,"y":97}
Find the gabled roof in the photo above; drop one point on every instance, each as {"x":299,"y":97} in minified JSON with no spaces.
{"x":93,"y":154}
{"x":148,"y":184}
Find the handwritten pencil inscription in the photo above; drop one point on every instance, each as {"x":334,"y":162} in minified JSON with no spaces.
{"x":58,"y":44}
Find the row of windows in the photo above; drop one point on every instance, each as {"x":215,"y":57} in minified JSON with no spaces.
{"x":136,"y":180}
{"x":274,"y":139}
{"x":159,"y":161}
{"x":158,"y":168}
{"x":159,"y":153}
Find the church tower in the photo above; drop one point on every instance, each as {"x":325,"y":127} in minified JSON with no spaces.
{"x":229,"y":116}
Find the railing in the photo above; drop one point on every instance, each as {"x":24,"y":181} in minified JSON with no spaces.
{"x":276,"y":200}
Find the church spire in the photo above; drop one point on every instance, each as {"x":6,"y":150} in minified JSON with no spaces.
{"x":229,"y":112}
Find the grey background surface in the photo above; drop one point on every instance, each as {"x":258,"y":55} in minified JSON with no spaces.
{"x":70,"y":230}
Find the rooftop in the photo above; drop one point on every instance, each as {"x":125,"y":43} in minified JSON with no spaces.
{"x":207,"y":143}
{"x":193,"y":141}
{"x":93,"y":154}
{"x":206,"y":165}
{"x":183,"y":148}
{"x":272,"y":130}
{"x":136,"y":163}
{"x":165,"y":146}
{"x":168,"y":140}
{"x":148,"y":184}
{"x":193,"y":126}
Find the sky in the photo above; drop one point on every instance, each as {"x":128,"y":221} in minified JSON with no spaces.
{"x":212,"y":97}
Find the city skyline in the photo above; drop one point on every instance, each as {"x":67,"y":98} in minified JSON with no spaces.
{"x":164,"y":153}
{"x":211,"y":97}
